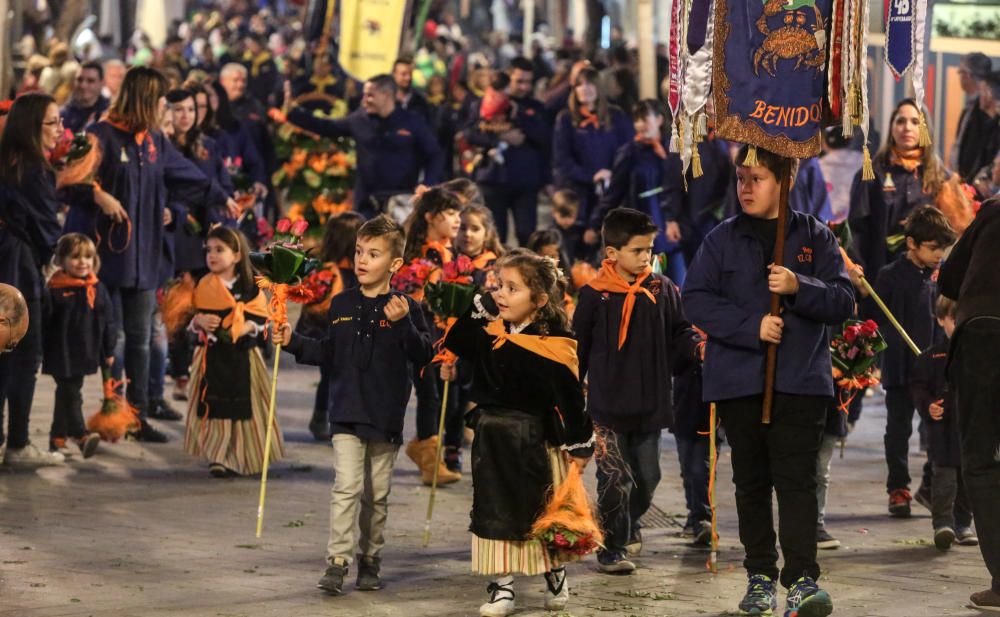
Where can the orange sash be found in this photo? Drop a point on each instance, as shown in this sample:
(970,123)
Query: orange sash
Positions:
(589,119)
(608,279)
(443,250)
(61,280)
(212,295)
(655,144)
(559,349)
(483,260)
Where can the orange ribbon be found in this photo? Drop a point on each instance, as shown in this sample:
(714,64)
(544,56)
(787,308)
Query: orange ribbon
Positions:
(608,279)
(589,119)
(61,280)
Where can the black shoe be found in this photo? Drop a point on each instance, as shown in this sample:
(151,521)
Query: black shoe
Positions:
(453,459)
(149,434)
(824,541)
(333,579)
(218,471)
(320,430)
(368,578)
(161,410)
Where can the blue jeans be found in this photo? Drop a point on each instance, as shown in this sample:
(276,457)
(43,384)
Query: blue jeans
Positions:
(521,201)
(693,457)
(627,475)
(157,358)
(134,310)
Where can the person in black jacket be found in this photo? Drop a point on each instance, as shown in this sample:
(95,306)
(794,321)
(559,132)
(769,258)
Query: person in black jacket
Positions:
(373,337)
(79,337)
(632,336)
(971,277)
(970,139)
(935,402)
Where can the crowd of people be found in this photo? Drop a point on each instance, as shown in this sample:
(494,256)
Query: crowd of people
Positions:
(553,186)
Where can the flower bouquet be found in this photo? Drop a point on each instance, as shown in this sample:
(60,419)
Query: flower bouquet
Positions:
(854,352)
(411,278)
(284,260)
(452,294)
(567,527)
(116,416)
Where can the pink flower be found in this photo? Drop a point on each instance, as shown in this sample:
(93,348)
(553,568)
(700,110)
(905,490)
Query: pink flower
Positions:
(283,226)
(299,227)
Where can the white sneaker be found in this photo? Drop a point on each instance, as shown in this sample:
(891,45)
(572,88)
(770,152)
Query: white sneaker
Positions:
(556,590)
(31,456)
(501,601)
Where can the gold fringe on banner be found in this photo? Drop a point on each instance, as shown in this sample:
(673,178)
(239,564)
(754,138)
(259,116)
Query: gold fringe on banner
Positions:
(867,171)
(696,170)
(925,132)
(674,138)
(751,159)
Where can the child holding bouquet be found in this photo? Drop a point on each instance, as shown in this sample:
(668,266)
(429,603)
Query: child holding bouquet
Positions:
(532,423)
(430,233)
(79,337)
(227,414)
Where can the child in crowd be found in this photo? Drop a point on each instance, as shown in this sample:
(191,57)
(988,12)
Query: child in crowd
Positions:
(430,233)
(691,432)
(565,207)
(532,422)
(227,414)
(649,178)
(466,190)
(909,288)
(632,336)
(372,338)
(728,290)
(79,337)
(950,510)
(496,113)
(337,255)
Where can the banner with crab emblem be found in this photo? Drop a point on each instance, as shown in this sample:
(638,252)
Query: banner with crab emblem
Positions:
(770,73)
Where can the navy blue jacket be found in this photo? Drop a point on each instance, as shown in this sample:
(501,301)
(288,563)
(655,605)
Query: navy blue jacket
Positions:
(369,360)
(929,384)
(809,192)
(77,118)
(637,170)
(77,338)
(910,293)
(629,388)
(238,143)
(726,294)
(578,153)
(392,151)
(144,182)
(525,166)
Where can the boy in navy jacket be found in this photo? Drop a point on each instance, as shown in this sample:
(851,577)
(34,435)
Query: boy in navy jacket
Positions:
(728,290)
(935,401)
(631,333)
(373,338)
(909,288)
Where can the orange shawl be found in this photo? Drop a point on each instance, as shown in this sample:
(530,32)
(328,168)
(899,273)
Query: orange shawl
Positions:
(61,280)
(910,160)
(608,279)
(443,250)
(589,118)
(212,295)
(483,260)
(559,349)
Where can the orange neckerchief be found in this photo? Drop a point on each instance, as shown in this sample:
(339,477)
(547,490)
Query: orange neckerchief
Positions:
(483,260)
(559,349)
(212,295)
(589,119)
(140,136)
(909,161)
(655,144)
(443,250)
(61,280)
(608,279)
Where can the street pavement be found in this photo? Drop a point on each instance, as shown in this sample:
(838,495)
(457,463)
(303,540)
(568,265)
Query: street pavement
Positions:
(143,531)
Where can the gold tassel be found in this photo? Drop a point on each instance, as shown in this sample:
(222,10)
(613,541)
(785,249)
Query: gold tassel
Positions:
(751,159)
(925,132)
(674,139)
(702,126)
(867,171)
(696,170)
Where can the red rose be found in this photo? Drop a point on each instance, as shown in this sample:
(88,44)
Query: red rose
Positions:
(869,328)
(851,333)
(283,226)
(299,227)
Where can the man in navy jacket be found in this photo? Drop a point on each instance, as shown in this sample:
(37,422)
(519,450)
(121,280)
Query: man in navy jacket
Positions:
(394,146)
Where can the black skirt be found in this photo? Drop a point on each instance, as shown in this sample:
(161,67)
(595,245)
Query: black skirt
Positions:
(511,474)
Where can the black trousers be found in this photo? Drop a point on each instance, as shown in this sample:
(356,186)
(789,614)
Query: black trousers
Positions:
(975,374)
(67,417)
(522,202)
(428,400)
(17,380)
(898,428)
(780,456)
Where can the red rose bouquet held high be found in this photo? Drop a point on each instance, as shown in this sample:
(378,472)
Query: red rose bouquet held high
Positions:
(854,352)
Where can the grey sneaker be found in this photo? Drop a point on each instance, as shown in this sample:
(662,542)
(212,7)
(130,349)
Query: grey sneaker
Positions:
(966,537)
(368,578)
(824,541)
(333,579)
(760,598)
(943,538)
(614,563)
(31,456)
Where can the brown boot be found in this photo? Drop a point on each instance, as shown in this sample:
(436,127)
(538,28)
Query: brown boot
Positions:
(417,451)
(422,453)
(988,601)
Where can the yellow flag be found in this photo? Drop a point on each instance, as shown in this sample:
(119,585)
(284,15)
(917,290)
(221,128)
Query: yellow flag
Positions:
(370,33)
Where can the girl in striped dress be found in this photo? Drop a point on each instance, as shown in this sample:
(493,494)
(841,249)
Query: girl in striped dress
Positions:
(227,416)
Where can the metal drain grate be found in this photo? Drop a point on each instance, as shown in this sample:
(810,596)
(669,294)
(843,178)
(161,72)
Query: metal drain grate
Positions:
(655,518)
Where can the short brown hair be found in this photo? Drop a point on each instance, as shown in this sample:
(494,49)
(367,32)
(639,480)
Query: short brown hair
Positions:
(945,307)
(384,226)
(928,224)
(768,160)
(565,203)
(76,244)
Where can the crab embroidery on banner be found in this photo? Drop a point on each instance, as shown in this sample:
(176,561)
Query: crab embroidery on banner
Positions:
(801,37)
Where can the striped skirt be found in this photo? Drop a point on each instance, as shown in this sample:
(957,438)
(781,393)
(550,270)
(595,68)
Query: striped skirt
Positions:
(237,445)
(528,557)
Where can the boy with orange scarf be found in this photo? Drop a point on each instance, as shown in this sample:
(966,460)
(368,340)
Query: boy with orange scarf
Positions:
(632,335)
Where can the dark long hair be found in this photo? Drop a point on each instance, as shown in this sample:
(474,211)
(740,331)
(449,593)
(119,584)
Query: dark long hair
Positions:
(340,237)
(433,201)
(189,142)
(541,276)
(224,117)
(21,141)
(933,173)
(591,76)
(207,125)
(237,242)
